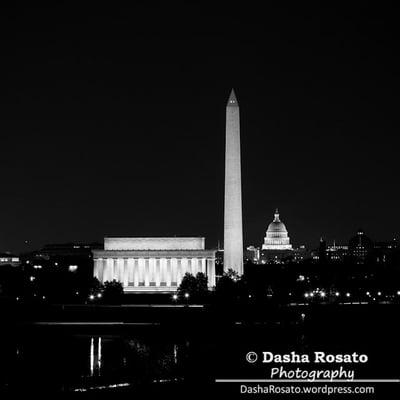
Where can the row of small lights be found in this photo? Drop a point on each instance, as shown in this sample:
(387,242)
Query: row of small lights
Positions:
(34,295)
(175,296)
(337,294)
(44,297)
(92,296)
(71,268)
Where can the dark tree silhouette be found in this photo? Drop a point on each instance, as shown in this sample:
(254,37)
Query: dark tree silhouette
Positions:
(193,286)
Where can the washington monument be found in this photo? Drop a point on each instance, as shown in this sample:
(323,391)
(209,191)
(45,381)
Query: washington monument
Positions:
(233,230)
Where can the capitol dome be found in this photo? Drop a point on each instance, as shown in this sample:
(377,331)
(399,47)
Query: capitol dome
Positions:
(277,237)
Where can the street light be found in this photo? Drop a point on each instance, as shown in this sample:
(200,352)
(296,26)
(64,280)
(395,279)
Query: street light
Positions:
(91,297)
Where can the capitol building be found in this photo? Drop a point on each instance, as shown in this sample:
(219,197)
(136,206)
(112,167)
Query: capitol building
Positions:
(276,244)
(277,237)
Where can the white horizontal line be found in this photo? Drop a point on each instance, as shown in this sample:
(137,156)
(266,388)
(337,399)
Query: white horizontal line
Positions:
(307,381)
(93,323)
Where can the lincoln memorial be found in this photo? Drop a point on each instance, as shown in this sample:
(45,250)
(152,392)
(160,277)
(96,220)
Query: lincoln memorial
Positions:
(153,264)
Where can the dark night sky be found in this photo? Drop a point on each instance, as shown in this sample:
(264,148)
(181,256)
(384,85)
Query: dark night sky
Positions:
(112,121)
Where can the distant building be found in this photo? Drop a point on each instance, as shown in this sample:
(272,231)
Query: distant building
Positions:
(300,254)
(72,256)
(276,247)
(360,247)
(9,259)
(252,254)
(330,253)
(337,253)
(322,256)
(386,252)
(153,264)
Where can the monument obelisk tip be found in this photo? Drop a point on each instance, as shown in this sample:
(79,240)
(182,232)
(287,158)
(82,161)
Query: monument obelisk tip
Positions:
(232,102)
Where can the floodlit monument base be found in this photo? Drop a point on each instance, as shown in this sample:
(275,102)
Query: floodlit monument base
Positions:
(146,265)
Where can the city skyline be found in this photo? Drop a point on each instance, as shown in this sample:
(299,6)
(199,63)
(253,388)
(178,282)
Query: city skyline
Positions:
(110,137)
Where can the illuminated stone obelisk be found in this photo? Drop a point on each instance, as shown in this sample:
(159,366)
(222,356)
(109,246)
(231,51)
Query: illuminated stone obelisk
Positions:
(233,230)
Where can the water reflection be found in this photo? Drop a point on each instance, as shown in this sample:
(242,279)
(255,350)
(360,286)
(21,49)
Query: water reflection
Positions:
(119,359)
(95,356)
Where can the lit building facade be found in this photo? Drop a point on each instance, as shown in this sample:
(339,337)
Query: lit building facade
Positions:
(153,264)
(277,237)
(360,247)
(252,254)
(386,252)
(9,259)
(337,253)
(276,248)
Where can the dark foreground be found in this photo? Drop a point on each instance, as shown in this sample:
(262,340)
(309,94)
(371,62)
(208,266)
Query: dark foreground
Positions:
(182,351)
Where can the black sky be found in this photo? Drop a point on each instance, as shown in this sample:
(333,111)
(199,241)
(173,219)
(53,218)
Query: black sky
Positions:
(112,121)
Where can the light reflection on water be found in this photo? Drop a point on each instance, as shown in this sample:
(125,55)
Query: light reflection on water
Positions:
(95,356)
(133,359)
(78,361)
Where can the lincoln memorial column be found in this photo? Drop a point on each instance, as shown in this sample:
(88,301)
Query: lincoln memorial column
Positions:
(115,269)
(173,269)
(163,270)
(179,271)
(158,272)
(203,266)
(141,269)
(146,272)
(135,271)
(110,270)
(126,272)
(152,269)
(184,266)
(131,277)
(120,270)
(194,266)
(169,275)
